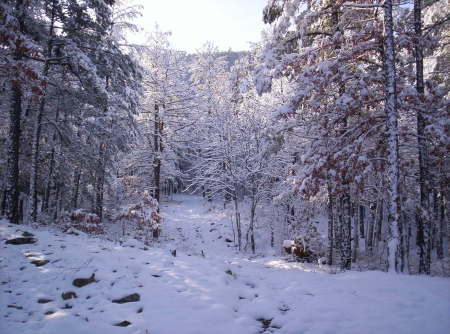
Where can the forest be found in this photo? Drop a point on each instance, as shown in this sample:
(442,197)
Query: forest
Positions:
(323,119)
(330,134)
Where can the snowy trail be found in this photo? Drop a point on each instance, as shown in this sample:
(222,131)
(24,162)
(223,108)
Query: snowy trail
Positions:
(220,292)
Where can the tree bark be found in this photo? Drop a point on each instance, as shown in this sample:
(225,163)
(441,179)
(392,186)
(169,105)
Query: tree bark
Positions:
(157,142)
(99,189)
(14,132)
(422,216)
(76,187)
(238,220)
(330,226)
(252,224)
(12,167)
(392,137)
(32,195)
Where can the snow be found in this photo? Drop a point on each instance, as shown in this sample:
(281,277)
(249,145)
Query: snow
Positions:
(288,243)
(220,292)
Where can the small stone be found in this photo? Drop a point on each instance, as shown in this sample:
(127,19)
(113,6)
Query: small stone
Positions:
(44,300)
(16,307)
(68,295)
(21,241)
(49,312)
(124,323)
(80,282)
(27,234)
(228,240)
(40,263)
(140,310)
(135,297)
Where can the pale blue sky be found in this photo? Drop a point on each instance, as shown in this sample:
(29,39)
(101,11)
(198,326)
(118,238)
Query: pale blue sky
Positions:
(227,23)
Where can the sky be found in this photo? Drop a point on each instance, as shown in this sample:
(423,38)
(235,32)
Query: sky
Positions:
(226,23)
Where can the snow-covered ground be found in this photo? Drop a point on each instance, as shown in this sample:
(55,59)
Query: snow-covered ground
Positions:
(218,291)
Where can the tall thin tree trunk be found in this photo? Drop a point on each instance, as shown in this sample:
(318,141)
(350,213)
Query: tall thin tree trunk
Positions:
(12,166)
(252,224)
(330,225)
(347,232)
(100,182)
(48,186)
(32,195)
(355,224)
(392,136)
(370,231)
(14,132)
(76,187)
(422,216)
(45,200)
(362,229)
(157,150)
(441,230)
(238,220)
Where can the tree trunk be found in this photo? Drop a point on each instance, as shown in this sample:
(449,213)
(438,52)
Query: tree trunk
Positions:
(330,226)
(48,186)
(238,221)
(422,216)
(12,167)
(392,136)
(99,189)
(355,224)
(252,225)
(441,230)
(76,187)
(56,206)
(347,233)
(32,195)
(370,231)
(14,132)
(157,151)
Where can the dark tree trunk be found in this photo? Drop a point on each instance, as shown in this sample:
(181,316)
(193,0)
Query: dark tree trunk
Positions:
(347,233)
(48,186)
(442,229)
(423,227)
(370,231)
(50,181)
(252,225)
(12,167)
(13,143)
(56,205)
(380,221)
(157,143)
(362,214)
(32,196)
(330,226)
(76,187)
(99,191)
(355,219)
(238,220)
